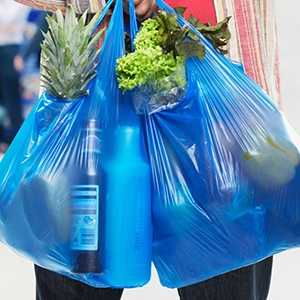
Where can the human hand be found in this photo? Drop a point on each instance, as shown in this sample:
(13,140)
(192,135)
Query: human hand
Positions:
(143,8)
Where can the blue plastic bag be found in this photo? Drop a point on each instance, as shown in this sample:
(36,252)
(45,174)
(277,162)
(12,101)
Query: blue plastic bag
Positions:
(53,210)
(225,170)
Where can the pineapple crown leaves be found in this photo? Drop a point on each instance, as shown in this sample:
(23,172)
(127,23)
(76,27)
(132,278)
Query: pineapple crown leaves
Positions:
(70,54)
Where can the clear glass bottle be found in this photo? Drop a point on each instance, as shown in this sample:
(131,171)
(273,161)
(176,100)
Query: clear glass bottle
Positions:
(86,201)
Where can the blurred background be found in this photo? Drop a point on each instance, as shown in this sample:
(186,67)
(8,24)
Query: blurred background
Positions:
(16,274)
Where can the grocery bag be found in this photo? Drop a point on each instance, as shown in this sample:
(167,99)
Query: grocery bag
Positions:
(225,170)
(63,198)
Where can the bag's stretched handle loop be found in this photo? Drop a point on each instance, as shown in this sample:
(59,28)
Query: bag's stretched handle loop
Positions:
(132,16)
(102,15)
(133,22)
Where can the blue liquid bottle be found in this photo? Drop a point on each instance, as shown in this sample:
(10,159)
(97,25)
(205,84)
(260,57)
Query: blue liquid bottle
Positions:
(85,201)
(127,212)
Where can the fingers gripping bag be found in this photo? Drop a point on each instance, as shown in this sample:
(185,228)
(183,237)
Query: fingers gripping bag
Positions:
(224,159)
(75,182)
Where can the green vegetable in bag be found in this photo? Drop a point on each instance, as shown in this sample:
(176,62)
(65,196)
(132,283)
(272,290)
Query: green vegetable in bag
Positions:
(161,48)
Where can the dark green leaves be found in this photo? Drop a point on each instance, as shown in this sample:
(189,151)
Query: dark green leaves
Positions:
(173,37)
(219,34)
(190,48)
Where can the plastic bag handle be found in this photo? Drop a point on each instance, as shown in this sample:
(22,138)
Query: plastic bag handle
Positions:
(102,15)
(132,22)
(132,16)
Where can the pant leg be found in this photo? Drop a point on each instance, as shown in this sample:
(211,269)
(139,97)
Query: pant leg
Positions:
(11,101)
(10,94)
(53,286)
(248,283)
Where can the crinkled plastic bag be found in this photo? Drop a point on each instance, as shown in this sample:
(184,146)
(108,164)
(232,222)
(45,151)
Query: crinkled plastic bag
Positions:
(225,167)
(157,95)
(225,172)
(38,172)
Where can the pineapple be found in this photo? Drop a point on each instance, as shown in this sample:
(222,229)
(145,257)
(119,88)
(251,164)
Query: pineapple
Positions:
(69,54)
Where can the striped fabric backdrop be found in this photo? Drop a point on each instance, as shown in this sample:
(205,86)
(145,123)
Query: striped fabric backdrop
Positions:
(254,40)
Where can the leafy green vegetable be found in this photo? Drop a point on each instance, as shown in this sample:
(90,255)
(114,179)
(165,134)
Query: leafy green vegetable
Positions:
(161,48)
(172,37)
(149,60)
(219,34)
(135,68)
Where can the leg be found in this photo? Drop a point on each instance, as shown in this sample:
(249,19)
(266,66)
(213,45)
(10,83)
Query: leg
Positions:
(249,283)
(11,100)
(10,95)
(53,286)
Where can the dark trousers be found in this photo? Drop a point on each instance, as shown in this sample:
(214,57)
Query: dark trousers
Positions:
(249,283)
(10,95)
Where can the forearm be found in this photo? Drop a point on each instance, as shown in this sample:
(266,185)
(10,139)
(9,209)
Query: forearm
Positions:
(144,8)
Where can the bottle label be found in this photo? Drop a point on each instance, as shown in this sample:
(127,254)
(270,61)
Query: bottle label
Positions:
(85,217)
